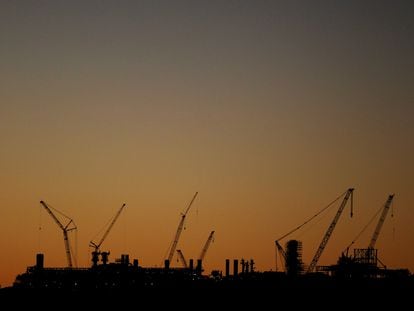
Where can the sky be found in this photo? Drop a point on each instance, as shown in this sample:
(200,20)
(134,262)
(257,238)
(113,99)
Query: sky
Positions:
(269,109)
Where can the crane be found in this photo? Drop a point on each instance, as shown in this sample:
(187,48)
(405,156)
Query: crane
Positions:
(381,221)
(281,252)
(348,194)
(202,254)
(96,246)
(280,249)
(65,229)
(206,245)
(179,229)
(182,258)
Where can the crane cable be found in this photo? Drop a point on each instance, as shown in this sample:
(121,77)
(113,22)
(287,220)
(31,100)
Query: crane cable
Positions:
(307,221)
(366,226)
(59,212)
(363,230)
(72,254)
(105,226)
(314,216)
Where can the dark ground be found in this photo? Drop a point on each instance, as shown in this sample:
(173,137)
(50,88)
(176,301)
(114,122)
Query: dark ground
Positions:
(304,295)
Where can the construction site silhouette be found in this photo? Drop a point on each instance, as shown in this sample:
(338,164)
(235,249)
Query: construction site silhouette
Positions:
(358,277)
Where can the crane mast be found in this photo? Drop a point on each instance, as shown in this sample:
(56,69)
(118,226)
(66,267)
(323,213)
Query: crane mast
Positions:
(97,246)
(281,251)
(179,229)
(182,258)
(206,245)
(381,221)
(65,230)
(349,193)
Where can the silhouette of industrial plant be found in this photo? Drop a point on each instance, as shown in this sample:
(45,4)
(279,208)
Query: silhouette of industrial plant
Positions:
(356,275)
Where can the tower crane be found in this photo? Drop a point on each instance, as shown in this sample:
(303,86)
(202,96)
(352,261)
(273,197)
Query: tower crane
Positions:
(206,246)
(381,221)
(96,246)
(65,229)
(179,229)
(349,193)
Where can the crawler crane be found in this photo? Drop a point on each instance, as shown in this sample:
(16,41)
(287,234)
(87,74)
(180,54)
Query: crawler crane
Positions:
(97,251)
(70,226)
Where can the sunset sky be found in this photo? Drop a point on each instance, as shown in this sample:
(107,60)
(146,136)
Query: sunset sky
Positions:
(269,109)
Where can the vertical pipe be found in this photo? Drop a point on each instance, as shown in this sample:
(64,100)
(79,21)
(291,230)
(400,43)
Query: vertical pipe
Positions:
(199,266)
(39,261)
(235,267)
(227,267)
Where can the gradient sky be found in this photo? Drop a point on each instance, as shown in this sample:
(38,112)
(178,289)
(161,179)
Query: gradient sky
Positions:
(269,109)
